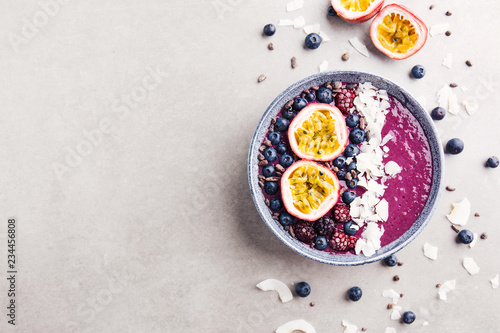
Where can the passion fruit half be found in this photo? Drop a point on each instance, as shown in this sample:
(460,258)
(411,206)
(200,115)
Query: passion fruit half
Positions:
(397,32)
(357,11)
(318,132)
(309,190)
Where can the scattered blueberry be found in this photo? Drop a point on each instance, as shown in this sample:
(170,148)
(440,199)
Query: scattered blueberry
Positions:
(465,236)
(351,150)
(310,97)
(352,184)
(350,228)
(351,166)
(408,317)
(268,171)
(286,160)
(418,71)
(357,135)
(391,260)
(281,148)
(313,41)
(274,137)
(270,154)
(281,124)
(492,162)
(348,197)
(341,174)
(352,120)
(339,162)
(271,187)
(331,11)
(289,113)
(299,103)
(286,218)
(324,95)
(269,30)
(455,146)
(438,113)
(276,204)
(320,243)
(302,289)
(355,294)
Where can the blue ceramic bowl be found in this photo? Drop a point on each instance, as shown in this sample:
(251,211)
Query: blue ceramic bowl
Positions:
(411,104)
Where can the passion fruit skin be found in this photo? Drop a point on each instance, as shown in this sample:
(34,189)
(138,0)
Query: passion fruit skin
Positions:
(419,25)
(357,17)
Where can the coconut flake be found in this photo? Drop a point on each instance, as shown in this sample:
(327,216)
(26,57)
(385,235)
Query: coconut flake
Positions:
(285,23)
(460,212)
(358,46)
(430,251)
(471,106)
(382,209)
(474,240)
(396,314)
(324,37)
(390,293)
(296,325)
(494,282)
(392,168)
(471,266)
(349,328)
(323,66)
(294,5)
(390,330)
(309,29)
(445,288)
(447,60)
(438,29)
(282,289)
(425,323)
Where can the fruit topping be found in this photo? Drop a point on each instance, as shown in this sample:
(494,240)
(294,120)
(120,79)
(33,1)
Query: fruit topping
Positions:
(271,187)
(324,226)
(350,228)
(344,100)
(268,170)
(348,197)
(313,41)
(438,113)
(318,132)
(357,135)
(354,294)
(282,289)
(351,150)
(281,148)
(299,103)
(304,231)
(492,162)
(408,317)
(274,137)
(357,11)
(397,32)
(341,213)
(391,260)
(418,71)
(324,95)
(320,243)
(342,242)
(289,113)
(331,11)
(352,120)
(310,97)
(286,160)
(454,146)
(269,29)
(270,154)
(465,236)
(339,162)
(302,289)
(286,219)
(276,204)
(309,190)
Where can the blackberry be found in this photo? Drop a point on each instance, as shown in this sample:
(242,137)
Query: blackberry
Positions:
(304,231)
(344,100)
(324,226)
(341,213)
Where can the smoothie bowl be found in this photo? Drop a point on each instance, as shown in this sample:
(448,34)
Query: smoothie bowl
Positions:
(345,168)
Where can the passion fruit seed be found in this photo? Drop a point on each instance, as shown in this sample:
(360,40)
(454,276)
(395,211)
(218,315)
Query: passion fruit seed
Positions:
(397,34)
(317,136)
(356,6)
(309,187)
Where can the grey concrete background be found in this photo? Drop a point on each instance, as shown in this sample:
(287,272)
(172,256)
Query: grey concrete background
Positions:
(124,134)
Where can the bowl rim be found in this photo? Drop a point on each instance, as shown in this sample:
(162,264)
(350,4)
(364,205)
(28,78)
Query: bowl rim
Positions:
(437,156)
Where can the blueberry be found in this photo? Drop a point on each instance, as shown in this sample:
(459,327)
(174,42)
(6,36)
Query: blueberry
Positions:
(339,162)
(270,154)
(331,11)
(352,120)
(351,166)
(310,97)
(313,41)
(455,146)
(299,103)
(350,228)
(289,113)
(341,174)
(271,187)
(352,184)
(269,30)
(357,135)
(408,317)
(276,204)
(324,95)
(302,289)
(286,218)
(268,171)
(438,113)
(418,71)
(492,162)
(286,160)
(348,197)
(281,124)
(281,148)
(391,260)
(355,294)
(320,243)
(465,236)
(351,150)
(274,137)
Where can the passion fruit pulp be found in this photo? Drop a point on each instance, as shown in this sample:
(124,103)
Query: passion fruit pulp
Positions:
(309,190)
(357,11)
(397,32)
(318,132)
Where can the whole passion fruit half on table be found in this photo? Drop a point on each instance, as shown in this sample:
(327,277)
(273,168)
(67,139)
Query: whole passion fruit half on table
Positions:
(397,32)
(357,11)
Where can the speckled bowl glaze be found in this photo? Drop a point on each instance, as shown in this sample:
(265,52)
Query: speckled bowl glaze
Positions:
(411,104)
